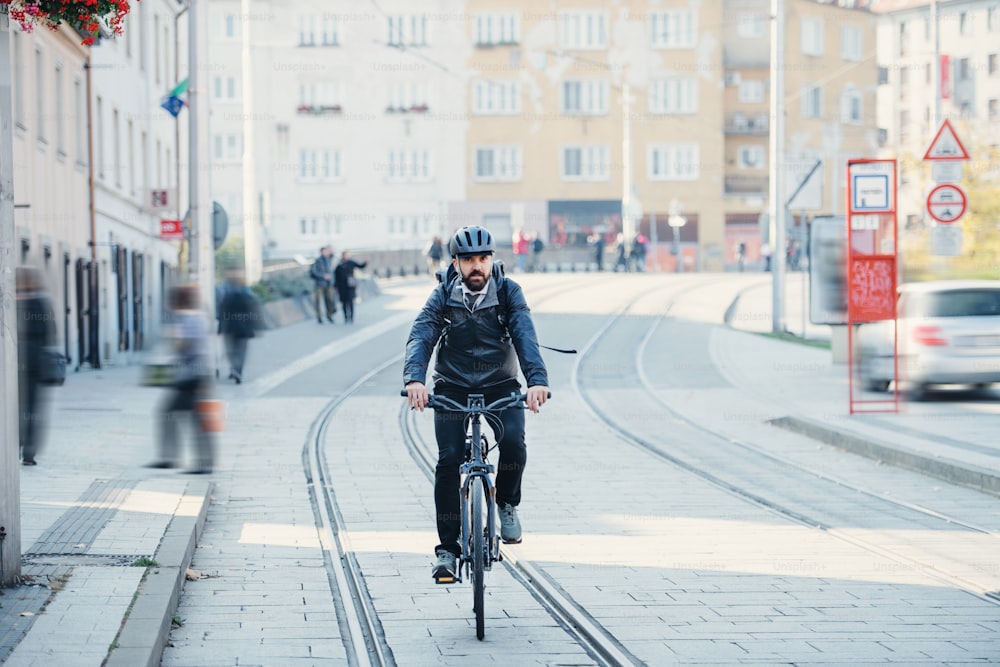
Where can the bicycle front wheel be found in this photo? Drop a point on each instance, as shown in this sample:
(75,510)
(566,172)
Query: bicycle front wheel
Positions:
(479,555)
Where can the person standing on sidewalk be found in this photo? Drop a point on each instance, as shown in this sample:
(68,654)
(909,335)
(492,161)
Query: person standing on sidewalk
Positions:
(321,272)
(435,255)
(35,331)
(486,333)
(239,320)
(193,371)
(347,284)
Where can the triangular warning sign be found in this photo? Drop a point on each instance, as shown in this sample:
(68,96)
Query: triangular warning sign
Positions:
(946,145)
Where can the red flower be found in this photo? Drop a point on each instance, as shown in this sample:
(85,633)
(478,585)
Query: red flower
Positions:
(85,15)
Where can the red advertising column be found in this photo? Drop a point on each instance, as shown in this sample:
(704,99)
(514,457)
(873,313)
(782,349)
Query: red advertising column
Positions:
(871,266)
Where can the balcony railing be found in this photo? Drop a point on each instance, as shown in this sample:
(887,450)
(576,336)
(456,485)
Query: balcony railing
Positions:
(743,124)
(743,184)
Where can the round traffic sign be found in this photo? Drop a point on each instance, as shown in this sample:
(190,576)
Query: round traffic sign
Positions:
(947,203)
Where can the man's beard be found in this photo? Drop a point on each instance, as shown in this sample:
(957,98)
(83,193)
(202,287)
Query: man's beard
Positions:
(476,276)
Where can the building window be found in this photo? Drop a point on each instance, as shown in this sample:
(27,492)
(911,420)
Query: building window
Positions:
(752,92)
(319,96)
(751,157)
(80,116)
(674,95)
(992,111)
(230,29)
(316,165)
(156,46)
(583,30)
(673,162)
(812,36)
(850,43)
(116,147)
(17,90)
(227,147)
(331,30)
(962,71)
(408,166)
(99,136)
(752,25)
(812,101)
(963,23)
(850,106)
(131,159)
(60,115)
(585,163)
(141,40)
(585,97)
(496,97)
(40,109)
(408,30)
(498,163)
(307,31)
(904,37)
(410,96)
(675,29)
(497,28)
(993,18)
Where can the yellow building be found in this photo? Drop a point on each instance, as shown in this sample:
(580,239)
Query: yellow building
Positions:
(548,114)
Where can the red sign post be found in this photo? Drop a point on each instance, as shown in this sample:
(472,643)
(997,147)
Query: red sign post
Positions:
(871,257)
(171,230)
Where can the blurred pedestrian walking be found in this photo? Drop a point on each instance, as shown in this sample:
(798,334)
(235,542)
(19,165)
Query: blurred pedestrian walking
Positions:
(521,246)
(321,272)
(435,255)
(347,284)
(597,240)
(35,331)
(192,381)
(621,254)
(537,246)
(240,319)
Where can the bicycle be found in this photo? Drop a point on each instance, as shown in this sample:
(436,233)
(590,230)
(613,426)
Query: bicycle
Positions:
(480,539)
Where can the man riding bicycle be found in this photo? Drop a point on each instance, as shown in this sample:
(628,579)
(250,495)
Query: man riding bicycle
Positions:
(485,331)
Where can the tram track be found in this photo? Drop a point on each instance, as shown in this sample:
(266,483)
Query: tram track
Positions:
(710,472)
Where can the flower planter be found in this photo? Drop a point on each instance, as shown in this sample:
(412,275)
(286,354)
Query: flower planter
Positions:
(84,16)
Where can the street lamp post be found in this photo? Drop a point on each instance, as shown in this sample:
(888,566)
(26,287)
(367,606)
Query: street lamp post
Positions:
(676,222)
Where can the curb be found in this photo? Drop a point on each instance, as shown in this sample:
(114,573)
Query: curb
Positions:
(954,472)
(145,630)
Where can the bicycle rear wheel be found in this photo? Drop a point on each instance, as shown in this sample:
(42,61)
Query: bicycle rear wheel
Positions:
(479,556)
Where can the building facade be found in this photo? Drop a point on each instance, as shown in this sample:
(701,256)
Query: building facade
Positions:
(914,99)
(355,120)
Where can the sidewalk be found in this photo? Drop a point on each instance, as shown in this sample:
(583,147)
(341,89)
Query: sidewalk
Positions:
(105,539)
(807,393)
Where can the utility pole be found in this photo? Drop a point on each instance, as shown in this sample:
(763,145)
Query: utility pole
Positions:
(202,267)
(252,217)
(10,471)
(776,206)
(628,207)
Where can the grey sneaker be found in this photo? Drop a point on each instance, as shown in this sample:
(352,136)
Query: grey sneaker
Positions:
(445,567)
(510,526)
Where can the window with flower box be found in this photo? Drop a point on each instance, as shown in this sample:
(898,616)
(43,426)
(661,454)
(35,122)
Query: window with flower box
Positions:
(319,97)
(673,162)
(673,95)
(583,30)
(408,30)
(673,29)
(407,97)
(498,163)
(408,166)
(585,163)
(495,96)
(497,28)
(585,97)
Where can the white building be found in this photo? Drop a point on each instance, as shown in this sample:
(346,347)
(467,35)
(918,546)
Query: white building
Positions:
(50,171)
(356,115)
(137,148)
(969,50)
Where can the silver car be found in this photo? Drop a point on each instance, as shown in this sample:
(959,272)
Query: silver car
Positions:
(949,333)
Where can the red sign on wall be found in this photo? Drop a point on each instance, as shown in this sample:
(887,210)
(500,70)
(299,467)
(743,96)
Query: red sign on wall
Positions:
(172,230)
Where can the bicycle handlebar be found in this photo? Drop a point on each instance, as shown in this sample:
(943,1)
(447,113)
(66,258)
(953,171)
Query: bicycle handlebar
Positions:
(439,402)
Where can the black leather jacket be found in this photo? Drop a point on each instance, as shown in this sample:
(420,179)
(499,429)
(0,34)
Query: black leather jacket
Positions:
(479,349)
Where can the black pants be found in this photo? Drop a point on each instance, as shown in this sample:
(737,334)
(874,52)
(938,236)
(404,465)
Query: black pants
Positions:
(29,415)
(449,428)
(179,406)
(236,351)
(347,302)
